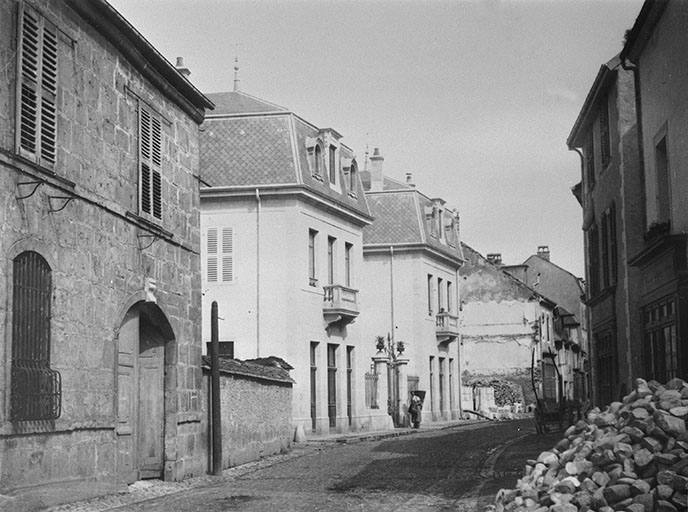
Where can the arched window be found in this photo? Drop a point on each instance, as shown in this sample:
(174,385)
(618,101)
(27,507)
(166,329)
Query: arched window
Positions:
(353,176)
(318,164)
(35,388)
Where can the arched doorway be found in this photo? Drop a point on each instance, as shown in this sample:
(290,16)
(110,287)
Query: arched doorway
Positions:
(144,336)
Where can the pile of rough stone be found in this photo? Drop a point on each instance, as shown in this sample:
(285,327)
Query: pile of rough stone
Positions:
(633,457)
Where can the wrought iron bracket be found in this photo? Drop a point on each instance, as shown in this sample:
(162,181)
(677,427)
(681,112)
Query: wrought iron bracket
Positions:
(35,184)
(66,200)
(154,238)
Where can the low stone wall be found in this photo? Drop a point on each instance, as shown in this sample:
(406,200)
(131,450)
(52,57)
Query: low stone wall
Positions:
(256,411)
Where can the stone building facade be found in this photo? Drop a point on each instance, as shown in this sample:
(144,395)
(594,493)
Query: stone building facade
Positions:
(412,258)
(507,330)
(605,135)
(652,54)
(282,212)
(100,366)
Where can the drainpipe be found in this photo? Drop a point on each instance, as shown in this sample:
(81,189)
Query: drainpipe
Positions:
(459,341)
(258,205)
(391,288)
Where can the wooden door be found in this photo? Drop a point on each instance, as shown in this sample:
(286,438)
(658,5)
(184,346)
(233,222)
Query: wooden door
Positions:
(151,404)
(127,393)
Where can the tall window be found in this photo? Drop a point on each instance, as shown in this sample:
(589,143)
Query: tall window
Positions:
(349,382)
(429,294)
(609,249)
(150,161)
(594,260)
(333,164)
(452,404)
(348,249)
(314,383)
(660,341)
(220,255)
(37,88)
(432,382)
(663,181)
(35,387)
(332,384)
(353,177)
(450,297)
(441,382)
(440,300)
(330,259)
(318,160)
(606,366)
(589,155)
(605,143)
(312,279)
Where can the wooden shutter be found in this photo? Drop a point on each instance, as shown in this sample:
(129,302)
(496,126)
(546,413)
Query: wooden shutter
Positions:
(150,156)
(212,266)
(37,88)
(227,255)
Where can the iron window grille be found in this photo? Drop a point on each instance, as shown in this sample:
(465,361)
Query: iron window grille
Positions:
(36,389)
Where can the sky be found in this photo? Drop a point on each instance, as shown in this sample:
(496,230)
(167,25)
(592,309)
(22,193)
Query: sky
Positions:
(475,98)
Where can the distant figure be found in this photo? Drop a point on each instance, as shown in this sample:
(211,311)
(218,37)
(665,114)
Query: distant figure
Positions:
(414,410)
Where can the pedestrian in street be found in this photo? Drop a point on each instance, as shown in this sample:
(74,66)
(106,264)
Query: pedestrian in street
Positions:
(415,409)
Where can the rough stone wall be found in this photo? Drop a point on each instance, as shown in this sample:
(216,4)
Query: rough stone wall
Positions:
(256,417)
(99,262)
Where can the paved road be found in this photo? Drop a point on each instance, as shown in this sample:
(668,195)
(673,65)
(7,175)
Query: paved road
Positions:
(458,469)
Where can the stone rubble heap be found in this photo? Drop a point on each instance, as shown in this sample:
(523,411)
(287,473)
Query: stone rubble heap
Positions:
(632,456)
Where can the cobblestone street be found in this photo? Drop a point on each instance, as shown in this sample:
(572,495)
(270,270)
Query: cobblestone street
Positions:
(458,469)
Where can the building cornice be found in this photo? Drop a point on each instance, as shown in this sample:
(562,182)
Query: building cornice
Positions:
(292,190)
(415,247)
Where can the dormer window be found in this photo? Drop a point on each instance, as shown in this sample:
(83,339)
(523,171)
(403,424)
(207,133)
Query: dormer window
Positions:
(314,147)
(353,177)
(318,160)
(333,165)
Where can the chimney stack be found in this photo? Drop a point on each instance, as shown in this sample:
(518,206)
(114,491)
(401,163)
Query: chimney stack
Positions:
(543,252)
(409,180)
(495,258)
(185,72)
(376,171)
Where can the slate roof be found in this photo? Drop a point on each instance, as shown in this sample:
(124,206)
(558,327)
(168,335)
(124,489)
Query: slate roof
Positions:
(252,369)
(248,142)
(401,217)
(241,103)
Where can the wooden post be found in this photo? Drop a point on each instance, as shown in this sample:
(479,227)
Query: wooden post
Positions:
(215,391)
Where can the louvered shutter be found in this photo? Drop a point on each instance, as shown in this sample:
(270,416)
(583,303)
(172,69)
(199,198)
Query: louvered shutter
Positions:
(227,255)
(37,88)
(150,155)
(212,256)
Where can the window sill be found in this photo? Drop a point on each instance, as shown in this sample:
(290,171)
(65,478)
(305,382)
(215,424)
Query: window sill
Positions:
(149,225)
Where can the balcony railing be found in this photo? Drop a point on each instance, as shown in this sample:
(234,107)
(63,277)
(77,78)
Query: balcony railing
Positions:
(340,304)
(446,327)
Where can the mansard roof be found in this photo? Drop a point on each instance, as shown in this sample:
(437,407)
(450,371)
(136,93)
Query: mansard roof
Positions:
(406,218)
(248,142)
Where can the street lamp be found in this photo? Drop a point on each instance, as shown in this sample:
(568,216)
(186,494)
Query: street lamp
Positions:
(389,347)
